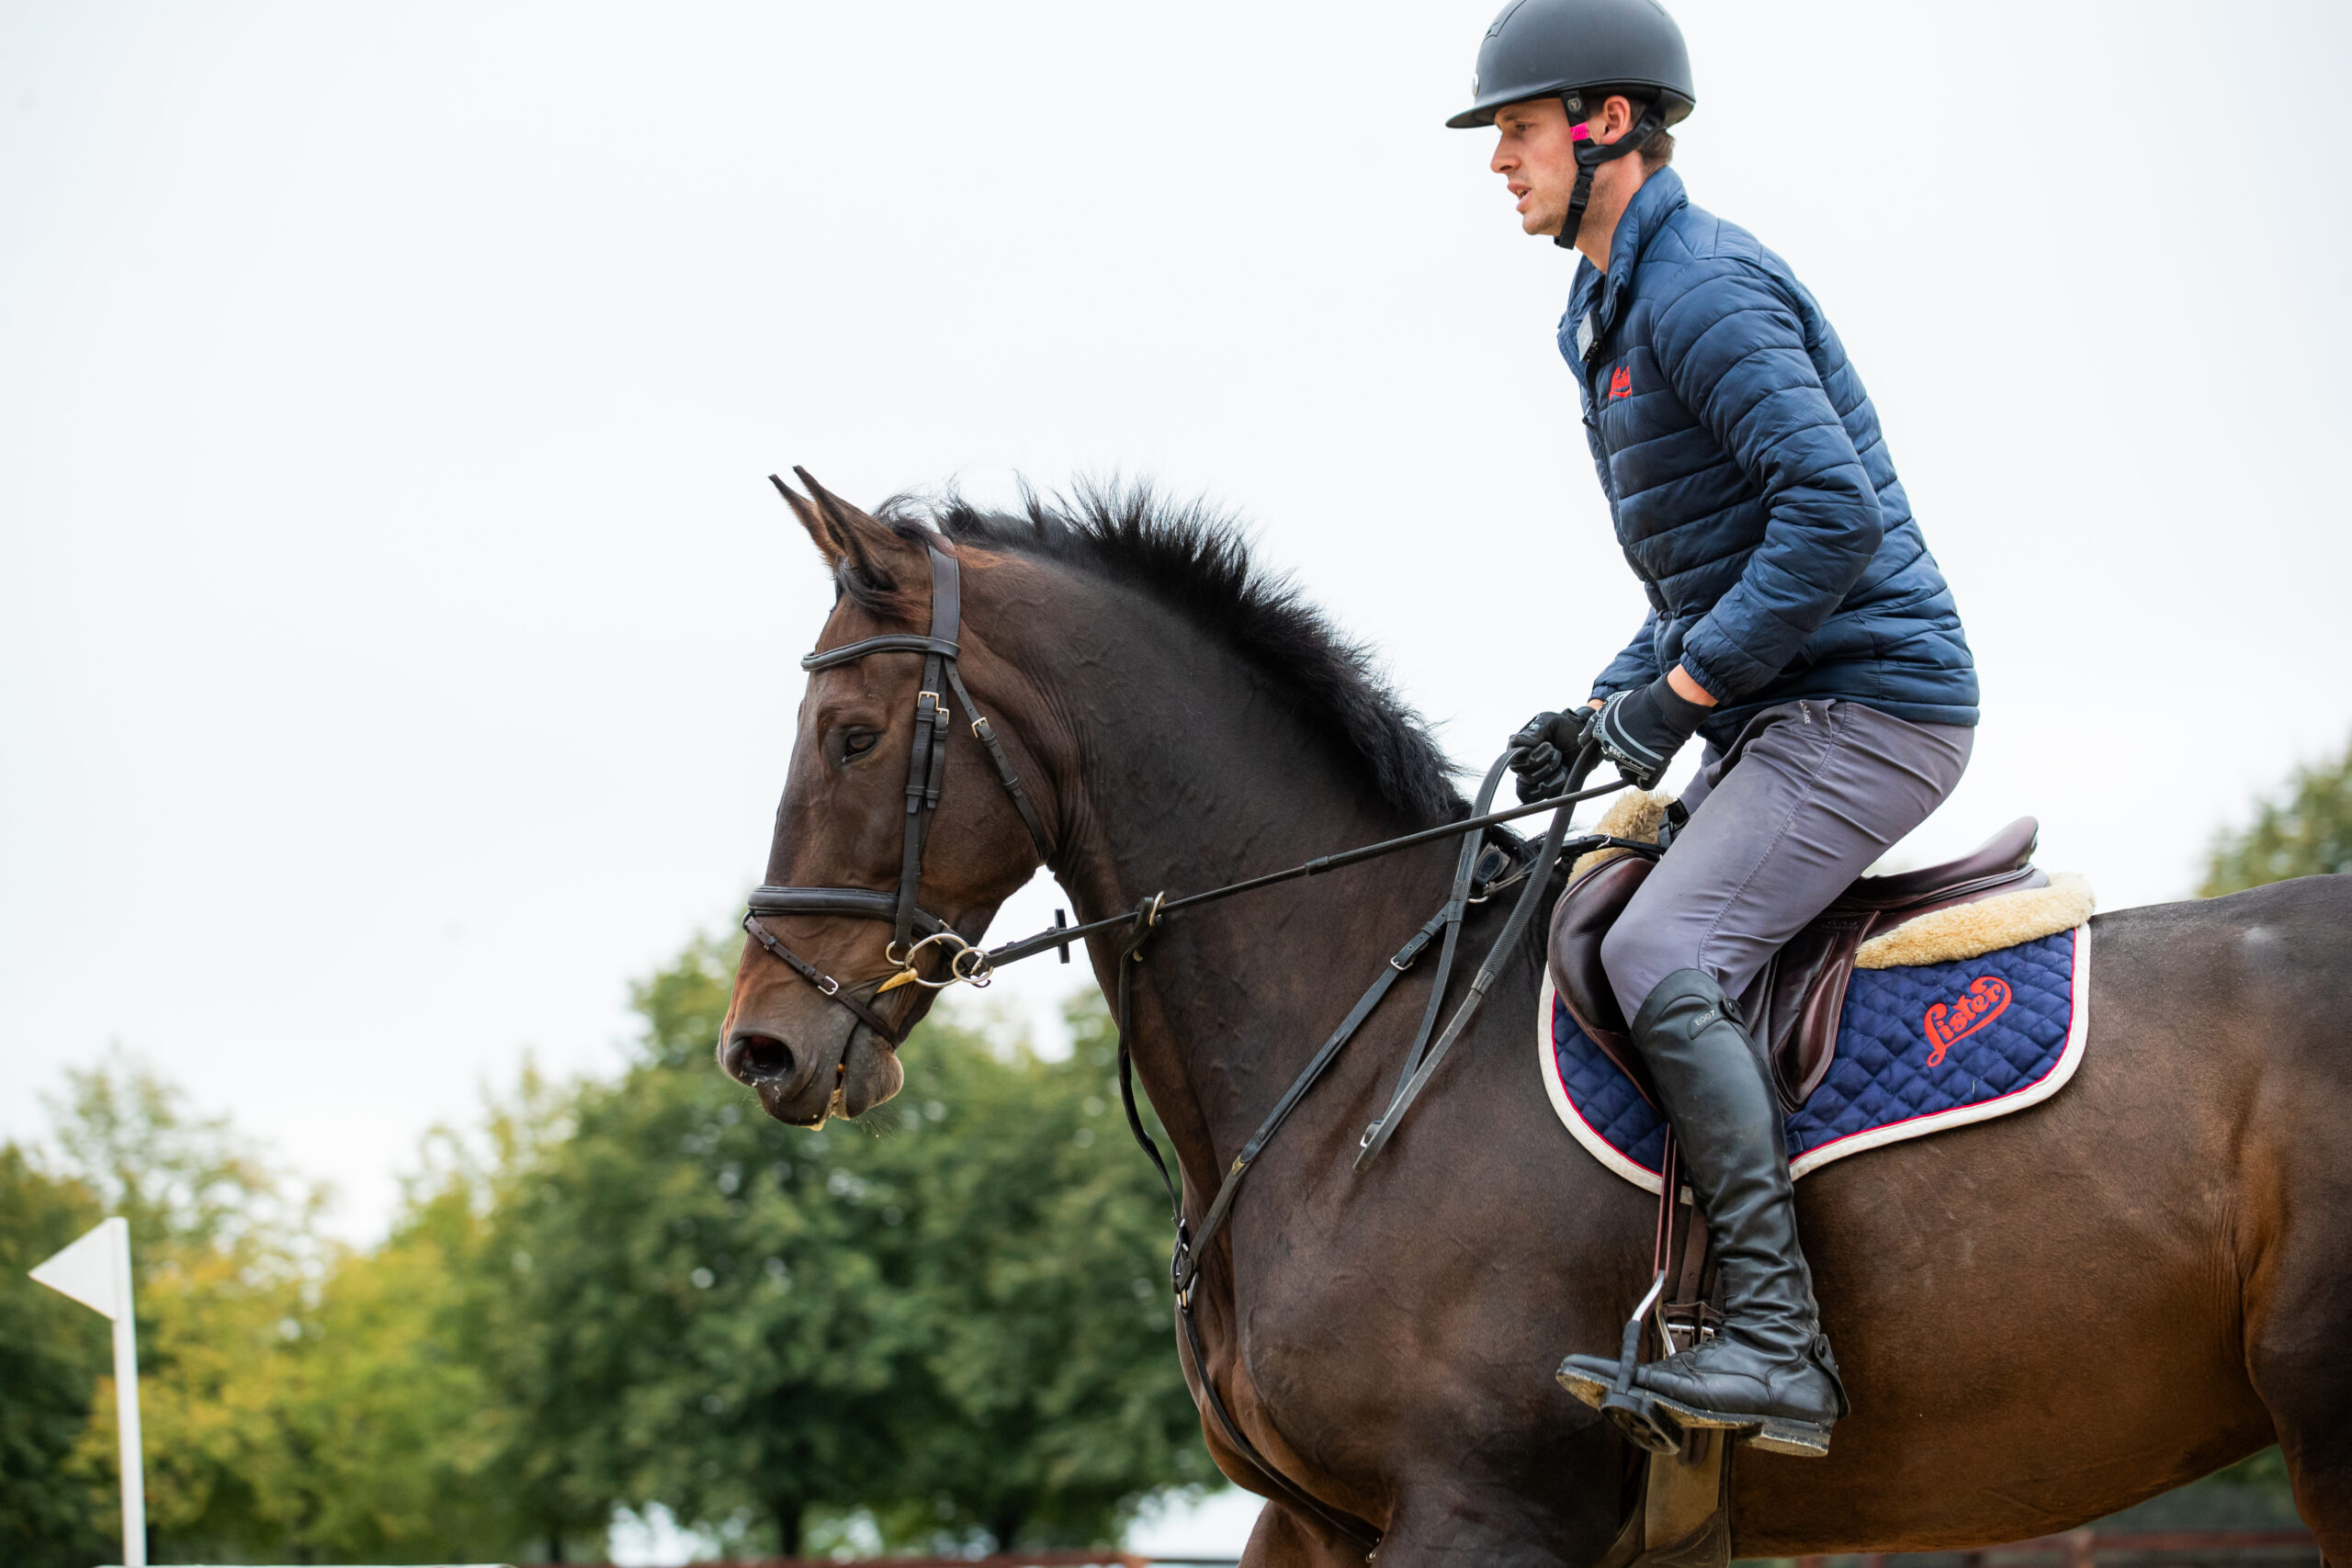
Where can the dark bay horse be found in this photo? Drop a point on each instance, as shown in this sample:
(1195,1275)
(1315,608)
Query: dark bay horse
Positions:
(2042,1319)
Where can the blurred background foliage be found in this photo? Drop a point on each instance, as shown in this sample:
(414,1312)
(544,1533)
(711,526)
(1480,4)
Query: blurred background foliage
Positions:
(2304,830)
(944,1329)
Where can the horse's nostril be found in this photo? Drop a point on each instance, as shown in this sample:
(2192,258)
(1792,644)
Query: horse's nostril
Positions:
(758,1058)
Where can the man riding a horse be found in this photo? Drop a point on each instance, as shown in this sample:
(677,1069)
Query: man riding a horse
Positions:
(1797,626)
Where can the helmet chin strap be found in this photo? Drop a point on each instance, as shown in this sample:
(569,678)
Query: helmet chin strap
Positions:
(1591,154)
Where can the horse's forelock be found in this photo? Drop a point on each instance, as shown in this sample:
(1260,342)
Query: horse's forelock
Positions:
(879,591)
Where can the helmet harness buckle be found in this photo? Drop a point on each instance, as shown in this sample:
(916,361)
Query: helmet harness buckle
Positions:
(1591,154)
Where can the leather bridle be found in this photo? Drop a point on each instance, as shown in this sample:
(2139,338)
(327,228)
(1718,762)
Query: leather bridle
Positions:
(926,774)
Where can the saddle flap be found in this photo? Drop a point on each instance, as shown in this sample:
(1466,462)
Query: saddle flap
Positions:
(1803,993)
(1588,908)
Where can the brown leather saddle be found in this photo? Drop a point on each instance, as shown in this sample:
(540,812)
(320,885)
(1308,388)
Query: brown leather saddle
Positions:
(1803,990)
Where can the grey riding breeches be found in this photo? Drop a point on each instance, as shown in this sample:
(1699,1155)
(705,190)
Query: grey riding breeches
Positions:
(1808,795)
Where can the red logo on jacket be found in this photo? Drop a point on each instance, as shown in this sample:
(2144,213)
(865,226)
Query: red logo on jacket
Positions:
(1620,383)
(1949,1023)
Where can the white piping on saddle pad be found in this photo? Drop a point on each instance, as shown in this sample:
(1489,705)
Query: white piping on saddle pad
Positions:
(1573,1119)
(2049,1083)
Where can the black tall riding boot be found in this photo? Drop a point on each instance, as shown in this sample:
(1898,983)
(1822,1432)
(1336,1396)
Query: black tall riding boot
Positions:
(1767,1376)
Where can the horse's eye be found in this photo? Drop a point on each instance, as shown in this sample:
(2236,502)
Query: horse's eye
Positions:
(858,742)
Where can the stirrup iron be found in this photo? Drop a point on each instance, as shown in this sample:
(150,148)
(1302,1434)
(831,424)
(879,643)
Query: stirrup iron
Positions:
(1628,1407)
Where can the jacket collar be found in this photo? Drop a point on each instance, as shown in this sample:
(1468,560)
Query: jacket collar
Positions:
(1661,197)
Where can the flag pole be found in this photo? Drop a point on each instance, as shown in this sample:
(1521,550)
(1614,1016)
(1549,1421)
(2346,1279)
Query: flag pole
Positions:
(95,1272)
(126,1405)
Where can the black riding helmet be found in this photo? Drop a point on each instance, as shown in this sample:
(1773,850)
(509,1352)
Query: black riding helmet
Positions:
(1572,49)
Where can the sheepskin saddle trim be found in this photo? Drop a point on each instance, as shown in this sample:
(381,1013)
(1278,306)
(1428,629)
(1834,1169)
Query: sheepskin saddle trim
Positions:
(1971,930)
(1940,936)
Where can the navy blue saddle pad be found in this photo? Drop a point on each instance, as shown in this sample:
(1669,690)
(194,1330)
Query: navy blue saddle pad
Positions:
(1919,1050)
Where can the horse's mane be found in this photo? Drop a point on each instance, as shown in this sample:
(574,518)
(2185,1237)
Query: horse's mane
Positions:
(1195,560)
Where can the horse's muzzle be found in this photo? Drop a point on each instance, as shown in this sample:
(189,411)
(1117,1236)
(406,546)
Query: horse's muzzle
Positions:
(802,1084)
(757,1059)
(790,1085)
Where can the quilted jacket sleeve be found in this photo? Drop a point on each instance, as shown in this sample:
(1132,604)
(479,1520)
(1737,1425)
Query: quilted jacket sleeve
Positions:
(1734,350)
(1637,666)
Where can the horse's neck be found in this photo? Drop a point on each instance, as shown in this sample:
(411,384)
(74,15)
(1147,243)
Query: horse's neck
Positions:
(1196,775)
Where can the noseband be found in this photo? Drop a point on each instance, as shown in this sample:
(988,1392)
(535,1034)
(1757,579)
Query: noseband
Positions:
(926,772)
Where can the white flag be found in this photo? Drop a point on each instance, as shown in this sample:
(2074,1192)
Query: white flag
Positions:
(90,1270)
(95,1272)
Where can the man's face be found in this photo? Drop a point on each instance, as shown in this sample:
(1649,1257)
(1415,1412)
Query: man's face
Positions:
(1535,152)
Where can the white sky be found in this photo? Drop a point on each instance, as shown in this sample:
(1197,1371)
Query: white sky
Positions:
(396,629)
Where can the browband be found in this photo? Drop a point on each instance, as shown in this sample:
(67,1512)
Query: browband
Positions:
(890,642)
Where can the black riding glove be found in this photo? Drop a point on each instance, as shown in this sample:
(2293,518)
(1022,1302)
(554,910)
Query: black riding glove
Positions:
(1548,746)
(1642,729)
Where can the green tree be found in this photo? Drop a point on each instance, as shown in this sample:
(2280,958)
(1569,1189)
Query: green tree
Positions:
(696,1306)
(181,1179)
(950,1319)
(53,1510)
(380,1413)
(222,1252)
(1041,1239)
(300,1401)
(2304,830)
(945,1315)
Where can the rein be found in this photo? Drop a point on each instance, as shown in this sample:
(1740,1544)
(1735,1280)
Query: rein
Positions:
(1481,870)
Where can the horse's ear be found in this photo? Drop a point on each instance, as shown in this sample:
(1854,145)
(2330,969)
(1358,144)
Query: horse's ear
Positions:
(820,531)
(866,545)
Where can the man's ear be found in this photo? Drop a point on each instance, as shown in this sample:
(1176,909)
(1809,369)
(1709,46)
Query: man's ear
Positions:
(849,539)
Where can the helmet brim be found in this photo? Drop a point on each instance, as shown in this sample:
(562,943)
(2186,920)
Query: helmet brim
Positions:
(1483,112)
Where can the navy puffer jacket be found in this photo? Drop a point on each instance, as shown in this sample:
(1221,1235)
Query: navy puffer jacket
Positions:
(1752,491)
